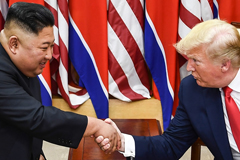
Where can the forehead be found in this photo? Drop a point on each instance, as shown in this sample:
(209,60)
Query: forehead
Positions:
(47,33)
(45,36)
(197,53)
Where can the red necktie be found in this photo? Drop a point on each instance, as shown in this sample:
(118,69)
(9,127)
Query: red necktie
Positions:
(233,115)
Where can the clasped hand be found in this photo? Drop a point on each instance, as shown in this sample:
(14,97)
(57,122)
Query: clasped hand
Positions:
(105,144)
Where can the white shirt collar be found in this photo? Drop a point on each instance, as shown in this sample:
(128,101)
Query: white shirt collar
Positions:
(235,84)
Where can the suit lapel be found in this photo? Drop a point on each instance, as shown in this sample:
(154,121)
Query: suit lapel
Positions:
(216,120)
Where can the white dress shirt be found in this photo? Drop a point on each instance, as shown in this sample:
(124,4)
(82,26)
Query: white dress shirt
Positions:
(235,94)
(235,86)
(129,146)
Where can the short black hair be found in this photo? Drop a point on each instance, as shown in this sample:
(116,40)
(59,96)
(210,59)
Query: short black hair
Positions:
(31,17)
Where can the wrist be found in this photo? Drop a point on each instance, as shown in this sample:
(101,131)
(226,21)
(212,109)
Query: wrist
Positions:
(93,126)
(122,148)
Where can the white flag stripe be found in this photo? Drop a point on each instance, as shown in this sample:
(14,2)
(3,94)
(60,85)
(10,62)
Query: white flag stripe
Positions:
(64,76)
(73,89)
(116,46)
(142,3)
(130,21)
(52,3)
(193,6)
(207,12)
(122,55)
(114,90)
(4,8)
(183,29)
(126,63)
(55,30)
(63,28)
(76,100)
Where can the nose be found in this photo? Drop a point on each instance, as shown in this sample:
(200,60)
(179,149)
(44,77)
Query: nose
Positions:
(190,65)
(49,53)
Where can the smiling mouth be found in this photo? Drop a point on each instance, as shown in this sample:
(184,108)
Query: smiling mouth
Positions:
(43,64)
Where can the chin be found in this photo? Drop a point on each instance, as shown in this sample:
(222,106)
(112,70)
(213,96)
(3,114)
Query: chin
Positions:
(36,74)
(39,72)
(200,83)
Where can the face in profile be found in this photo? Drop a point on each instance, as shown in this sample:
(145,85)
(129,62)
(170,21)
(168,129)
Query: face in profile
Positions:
(206,73)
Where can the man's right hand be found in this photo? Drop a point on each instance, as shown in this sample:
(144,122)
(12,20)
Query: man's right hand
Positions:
(103,143)
(97,127)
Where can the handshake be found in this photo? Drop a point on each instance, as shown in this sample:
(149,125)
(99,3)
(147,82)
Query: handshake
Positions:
(107,135)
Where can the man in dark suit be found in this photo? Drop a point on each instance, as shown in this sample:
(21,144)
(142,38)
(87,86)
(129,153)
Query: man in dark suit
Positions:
(213,51)
(26,44)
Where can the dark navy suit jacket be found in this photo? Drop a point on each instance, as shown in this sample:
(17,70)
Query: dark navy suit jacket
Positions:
(25,122)
(199,114)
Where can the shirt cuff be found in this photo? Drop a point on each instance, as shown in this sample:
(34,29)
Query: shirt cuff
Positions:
(129,146)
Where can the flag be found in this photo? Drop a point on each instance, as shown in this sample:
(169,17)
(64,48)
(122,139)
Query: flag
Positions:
(45,85)
(59,65)
(128,74)
(160,35)
(229,10)
(3,12)
(88,50)
(61,70)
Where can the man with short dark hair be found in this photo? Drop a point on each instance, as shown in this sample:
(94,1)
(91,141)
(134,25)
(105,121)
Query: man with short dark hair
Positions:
(26,44)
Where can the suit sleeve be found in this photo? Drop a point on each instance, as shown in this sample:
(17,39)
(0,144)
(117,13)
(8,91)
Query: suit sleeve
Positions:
(178,137)
(20,109)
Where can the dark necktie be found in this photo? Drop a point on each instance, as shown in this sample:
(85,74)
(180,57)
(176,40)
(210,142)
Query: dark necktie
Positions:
(233,115)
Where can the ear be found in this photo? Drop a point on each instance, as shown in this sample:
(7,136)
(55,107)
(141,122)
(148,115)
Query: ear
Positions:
(13,44)
(226,64)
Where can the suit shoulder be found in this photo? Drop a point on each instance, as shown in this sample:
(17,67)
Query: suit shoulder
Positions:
(189,80)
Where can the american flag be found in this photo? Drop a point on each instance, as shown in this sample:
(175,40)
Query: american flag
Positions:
(128,74)
(60,64)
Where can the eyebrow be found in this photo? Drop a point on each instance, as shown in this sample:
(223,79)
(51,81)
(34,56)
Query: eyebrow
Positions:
(49,42)
(190,56)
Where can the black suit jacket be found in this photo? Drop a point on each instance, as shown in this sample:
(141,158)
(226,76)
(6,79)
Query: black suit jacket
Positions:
(25,122)
(199,114)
